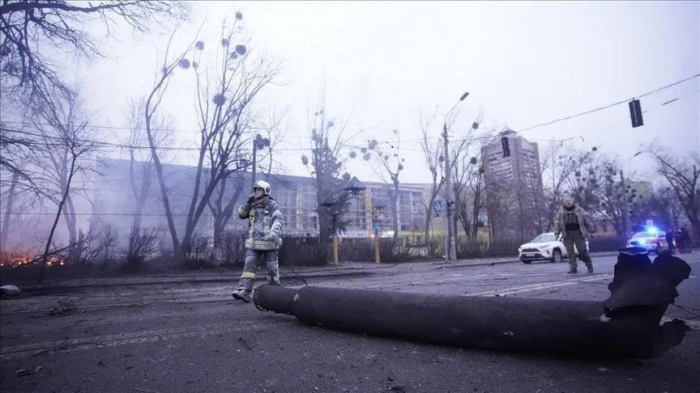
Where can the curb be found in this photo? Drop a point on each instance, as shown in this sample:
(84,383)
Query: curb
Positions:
(289,274)
(497,262)
(233,279)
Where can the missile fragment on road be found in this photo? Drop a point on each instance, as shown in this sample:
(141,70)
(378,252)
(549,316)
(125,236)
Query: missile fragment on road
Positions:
(625,325)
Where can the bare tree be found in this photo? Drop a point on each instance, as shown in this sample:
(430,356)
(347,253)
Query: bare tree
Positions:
(141,169)
(559,164)
(223,100)
(31,29)
(4,231)
(61,124)
(325,166)
(67,141)
(21,183)
(665,207)
(14,146)
(464,170)
(141,160)
(500,207)
(683,175)
(387,164)
(223,205)
(469,196)
(434,159)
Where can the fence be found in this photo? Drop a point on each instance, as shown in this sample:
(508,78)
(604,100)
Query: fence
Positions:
(295,251)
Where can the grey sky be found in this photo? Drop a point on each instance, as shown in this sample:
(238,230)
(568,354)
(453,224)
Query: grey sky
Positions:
(523,63)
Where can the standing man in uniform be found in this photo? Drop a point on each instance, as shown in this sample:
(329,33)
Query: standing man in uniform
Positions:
(574,224)
(264,229)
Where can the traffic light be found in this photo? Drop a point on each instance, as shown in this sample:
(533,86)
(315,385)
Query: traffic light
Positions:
(506,147)
(636,113)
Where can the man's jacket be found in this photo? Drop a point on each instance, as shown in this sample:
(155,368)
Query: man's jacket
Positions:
(264,224)
(585,223)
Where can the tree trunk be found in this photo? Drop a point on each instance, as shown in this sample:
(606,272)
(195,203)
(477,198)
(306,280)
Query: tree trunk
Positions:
(55,221)
(231,206)
(71,224)
(476,209)
(142,196)
(161,181)
(428,218)
(192,224)
(395,212)
(8,211)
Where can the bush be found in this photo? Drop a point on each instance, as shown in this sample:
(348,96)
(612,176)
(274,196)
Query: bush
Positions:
(232,249)
(142,245)
(473,248)
(602,244)
(303,251)
(197,248)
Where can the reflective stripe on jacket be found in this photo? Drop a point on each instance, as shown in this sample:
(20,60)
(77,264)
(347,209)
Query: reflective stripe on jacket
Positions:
(261,222)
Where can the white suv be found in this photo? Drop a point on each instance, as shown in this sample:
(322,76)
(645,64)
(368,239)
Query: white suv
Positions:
(543,247)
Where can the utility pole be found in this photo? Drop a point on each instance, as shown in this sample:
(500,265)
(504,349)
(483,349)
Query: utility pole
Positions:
(258,143)
(450,247)
(625,208)
(255,156)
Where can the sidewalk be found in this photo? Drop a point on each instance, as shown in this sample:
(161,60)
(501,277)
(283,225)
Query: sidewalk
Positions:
(344,269)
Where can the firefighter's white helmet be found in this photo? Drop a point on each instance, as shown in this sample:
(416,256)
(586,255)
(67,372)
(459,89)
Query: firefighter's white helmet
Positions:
(263,185)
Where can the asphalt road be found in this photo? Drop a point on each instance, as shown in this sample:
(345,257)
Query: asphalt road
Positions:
(190,336)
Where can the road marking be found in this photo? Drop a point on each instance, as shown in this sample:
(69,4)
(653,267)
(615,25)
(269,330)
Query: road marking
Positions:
(113,340)
(541,286)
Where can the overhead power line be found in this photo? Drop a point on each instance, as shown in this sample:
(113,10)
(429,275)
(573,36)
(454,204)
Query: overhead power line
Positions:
(610,105)
(413,140)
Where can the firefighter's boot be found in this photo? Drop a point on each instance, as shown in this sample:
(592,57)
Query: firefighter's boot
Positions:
(241,294)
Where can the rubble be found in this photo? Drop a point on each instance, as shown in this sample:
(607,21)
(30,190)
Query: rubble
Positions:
(10,291)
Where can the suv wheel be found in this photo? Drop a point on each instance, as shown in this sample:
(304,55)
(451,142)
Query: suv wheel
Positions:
(556,256)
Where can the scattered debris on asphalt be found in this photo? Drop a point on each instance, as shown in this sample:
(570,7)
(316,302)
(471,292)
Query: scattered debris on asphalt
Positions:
(10,291)
(63,308)
(27,372)
(245,343)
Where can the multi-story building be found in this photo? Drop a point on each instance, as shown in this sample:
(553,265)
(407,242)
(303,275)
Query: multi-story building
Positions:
(114,207)
(521,166)
(513,179)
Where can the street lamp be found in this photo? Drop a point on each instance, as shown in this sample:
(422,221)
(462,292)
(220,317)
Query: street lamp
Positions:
(450,246)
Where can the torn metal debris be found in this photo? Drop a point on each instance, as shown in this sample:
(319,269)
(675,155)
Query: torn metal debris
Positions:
(627,324)
(10,291)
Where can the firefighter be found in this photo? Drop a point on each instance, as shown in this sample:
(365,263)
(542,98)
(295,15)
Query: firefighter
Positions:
(264,228)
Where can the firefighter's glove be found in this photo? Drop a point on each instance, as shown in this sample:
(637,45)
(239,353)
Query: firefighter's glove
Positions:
(271,237)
